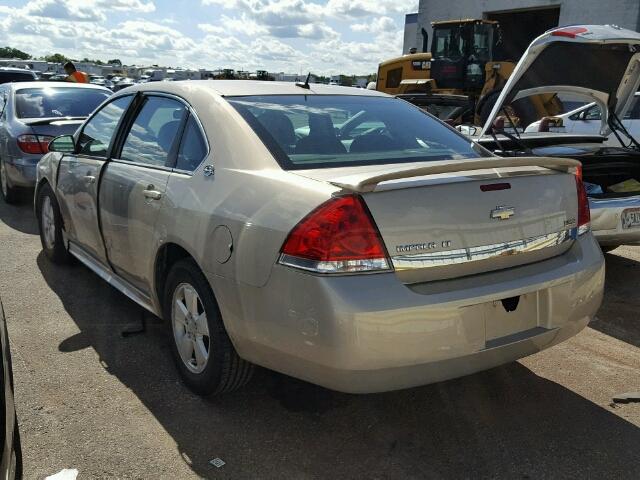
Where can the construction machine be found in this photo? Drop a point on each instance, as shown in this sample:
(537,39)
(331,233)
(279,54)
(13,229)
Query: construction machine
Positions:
(466,58)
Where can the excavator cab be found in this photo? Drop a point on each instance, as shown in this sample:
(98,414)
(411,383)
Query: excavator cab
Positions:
(460,50)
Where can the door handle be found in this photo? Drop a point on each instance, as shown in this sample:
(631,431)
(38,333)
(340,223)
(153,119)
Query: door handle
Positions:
(151,193)
(90,179)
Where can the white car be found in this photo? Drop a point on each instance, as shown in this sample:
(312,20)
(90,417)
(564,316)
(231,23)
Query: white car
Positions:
(588,119)
(555,63)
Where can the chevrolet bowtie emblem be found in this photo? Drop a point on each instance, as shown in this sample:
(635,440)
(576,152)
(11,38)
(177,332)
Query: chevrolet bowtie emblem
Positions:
(503,213)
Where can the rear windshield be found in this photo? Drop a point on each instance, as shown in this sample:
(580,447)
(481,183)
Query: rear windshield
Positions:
(6,77)
(325,131)
(58,102)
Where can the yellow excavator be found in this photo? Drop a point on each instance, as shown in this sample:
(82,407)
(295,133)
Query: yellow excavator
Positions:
(466,58)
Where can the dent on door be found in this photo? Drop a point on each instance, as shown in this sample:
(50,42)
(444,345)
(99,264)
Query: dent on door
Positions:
(130,198)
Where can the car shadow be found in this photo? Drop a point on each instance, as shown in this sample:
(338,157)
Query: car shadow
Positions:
(506,422)
(618,316)
(20,216)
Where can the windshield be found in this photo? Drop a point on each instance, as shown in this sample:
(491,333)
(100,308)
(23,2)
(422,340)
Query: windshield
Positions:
(482,42)
(324,131)
(448,42)
(58,102)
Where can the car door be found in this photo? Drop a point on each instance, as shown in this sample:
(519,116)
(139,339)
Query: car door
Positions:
(79,174)
(134,183)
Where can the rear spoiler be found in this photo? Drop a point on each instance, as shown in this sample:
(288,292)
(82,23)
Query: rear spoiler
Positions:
(450,166)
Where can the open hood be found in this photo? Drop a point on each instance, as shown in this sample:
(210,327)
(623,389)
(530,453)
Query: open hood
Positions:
(601,62)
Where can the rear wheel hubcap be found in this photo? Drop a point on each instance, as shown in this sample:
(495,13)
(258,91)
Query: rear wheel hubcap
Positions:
(3,179)
(190,328)
(48,223)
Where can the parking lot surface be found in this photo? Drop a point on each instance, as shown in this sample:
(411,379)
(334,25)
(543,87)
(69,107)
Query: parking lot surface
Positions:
(113,407)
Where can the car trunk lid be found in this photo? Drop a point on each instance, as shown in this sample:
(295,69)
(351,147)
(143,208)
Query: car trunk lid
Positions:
(556,62)
(451,219)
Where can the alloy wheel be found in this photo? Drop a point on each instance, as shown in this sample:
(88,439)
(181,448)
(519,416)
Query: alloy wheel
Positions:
(3,180)
(48,223)
(190,328)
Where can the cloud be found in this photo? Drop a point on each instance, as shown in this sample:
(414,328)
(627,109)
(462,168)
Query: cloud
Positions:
(380,25)
(276,35)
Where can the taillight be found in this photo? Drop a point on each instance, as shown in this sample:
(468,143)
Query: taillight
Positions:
(584,214)
(337,237)
(34,144)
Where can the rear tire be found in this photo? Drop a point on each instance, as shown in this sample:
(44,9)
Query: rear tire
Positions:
(9,194)
(50,226)
(204,355)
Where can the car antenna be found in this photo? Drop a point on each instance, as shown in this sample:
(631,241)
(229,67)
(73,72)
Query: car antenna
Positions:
(304,85)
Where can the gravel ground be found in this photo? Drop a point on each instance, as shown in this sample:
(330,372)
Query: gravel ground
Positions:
(112,407)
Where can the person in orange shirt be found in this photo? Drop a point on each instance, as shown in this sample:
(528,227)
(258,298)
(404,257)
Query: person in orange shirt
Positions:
(75,76)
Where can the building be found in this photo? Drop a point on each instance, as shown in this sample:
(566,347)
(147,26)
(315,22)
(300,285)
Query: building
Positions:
(410,33)
(35,65)
(521,20)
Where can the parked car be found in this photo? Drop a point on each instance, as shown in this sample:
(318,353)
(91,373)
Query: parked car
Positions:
(611,174)
(123,83)
(380,260)
(11,457)
(588,119)
(8,74)
(31,115)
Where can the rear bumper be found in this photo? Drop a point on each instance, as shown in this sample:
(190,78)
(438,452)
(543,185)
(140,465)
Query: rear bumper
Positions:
(371,333)
(606,222)
(22,172)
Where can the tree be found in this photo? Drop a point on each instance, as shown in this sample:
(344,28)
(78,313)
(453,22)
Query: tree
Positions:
(8,52)
(115,61)
(56,58)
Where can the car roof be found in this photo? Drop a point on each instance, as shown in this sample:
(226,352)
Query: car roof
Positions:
(16,70)
(252,87)
(22,85)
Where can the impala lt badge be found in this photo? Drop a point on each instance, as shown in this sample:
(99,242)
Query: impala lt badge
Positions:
(503,213)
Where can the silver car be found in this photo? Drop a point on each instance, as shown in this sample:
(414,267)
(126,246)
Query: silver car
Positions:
(389,253)
(31,115)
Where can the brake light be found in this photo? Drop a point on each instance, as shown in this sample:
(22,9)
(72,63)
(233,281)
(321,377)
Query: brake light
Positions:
(34,144)
(569,32)
(584,214)
(337,237)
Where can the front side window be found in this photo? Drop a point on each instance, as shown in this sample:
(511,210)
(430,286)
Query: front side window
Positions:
(51,102)
(324,131)
(154,132)
(98,132)
(193,147)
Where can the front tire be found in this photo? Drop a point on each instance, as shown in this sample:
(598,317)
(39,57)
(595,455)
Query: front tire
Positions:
(204,355)
(50,226)
(9,193)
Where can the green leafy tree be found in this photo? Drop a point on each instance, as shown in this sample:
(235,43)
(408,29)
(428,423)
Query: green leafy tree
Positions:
(115,61)
(8,52)
(56,58)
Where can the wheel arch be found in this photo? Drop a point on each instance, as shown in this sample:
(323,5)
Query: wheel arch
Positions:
(167,255)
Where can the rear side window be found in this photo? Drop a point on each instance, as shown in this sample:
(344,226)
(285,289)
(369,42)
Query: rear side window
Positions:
(97,132)
(154,132)
(193,147)
(324,131)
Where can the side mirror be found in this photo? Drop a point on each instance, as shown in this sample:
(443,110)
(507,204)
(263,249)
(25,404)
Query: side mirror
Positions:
(469,130)
(63,144)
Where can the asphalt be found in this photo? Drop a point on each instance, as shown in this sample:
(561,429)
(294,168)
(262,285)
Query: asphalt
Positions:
(113,407)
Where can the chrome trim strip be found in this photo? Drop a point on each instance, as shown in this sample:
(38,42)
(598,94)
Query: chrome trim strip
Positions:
(483,252)
(116,282)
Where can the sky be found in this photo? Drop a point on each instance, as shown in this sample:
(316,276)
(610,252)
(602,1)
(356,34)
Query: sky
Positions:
(293,36)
